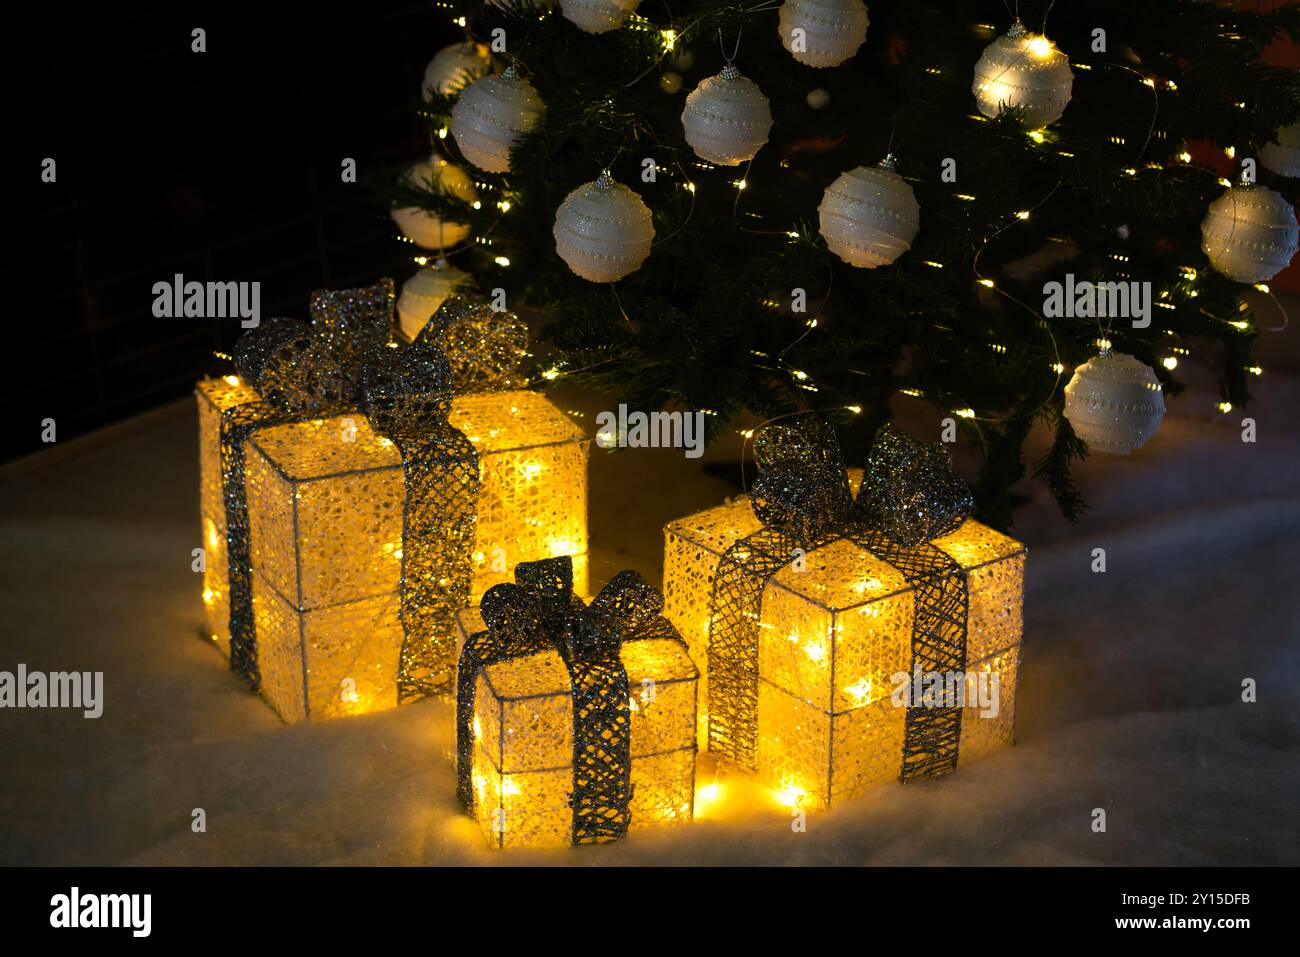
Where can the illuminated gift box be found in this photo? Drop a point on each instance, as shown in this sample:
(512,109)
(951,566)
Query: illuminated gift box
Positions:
(327,514)
(522,772)
(831,639)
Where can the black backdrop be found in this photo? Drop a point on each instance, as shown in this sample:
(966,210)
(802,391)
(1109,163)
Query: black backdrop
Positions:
(222,166)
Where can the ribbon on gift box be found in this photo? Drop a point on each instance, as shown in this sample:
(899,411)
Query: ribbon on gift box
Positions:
(909,496)
(347,359)
(540,612)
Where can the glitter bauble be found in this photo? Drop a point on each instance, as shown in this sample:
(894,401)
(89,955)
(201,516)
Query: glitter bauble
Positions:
(603,231)
(1114,403)
(424,292)
(1024,70)
(822,33)
(869,216)
(597,16)
(427,230)
(1250,233)
(727,118)
(455,66)
(492,116)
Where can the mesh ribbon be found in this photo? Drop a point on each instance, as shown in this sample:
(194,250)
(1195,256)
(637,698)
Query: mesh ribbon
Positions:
(347,359)
(909,496)
(540,612)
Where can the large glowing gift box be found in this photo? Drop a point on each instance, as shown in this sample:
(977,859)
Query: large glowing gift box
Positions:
(325,504)
(833,633)
(524,774)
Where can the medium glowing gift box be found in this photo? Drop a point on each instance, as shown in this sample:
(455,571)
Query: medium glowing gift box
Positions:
(574,723)
(366,526)
(818,602)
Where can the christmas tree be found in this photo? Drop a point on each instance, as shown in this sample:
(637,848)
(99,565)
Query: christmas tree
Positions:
(750,300)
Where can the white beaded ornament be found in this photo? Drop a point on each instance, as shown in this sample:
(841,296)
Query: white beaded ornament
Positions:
(1021,69)
(727,118)
(603,230)
(1250,233)
(424,292)
(822,33)
(597,16)
(1282,156)
(492,115)
(424,228)
(455,66)
(869,216)
(1114,403)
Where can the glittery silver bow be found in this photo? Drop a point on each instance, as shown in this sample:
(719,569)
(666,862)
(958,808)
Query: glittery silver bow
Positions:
(909,496)
(346,359)
(540,612)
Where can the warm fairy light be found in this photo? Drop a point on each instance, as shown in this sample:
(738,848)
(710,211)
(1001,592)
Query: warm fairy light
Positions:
(1230,152)
(213,540)
(209,596)
(1170,362)
(478,729)
(690,186)
(559,546)
(985,282)
(551,374)
(1057,367)
(669,37)
(1262,286)
(815,650)
(740,184)
(502,261)
(1037,135)
(1023,214)
(442,133)
(965,197)
(1225,406)
(1147,81)
(747,433)
(1039,46)
(477,204)
(859,691)
(1103,344)
(789,795)
(931,263)
(460,21)
(855,409)
(964,413)
(231,379)
(1241,324)
(1225,183)
(504,205)
(1185,156)
(707,794)
(1255,370)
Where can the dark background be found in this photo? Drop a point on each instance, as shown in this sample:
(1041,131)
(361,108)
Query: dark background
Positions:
(222,166)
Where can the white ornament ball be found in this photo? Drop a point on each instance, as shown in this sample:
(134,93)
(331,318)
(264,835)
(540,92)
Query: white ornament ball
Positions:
(818,99)
(492,115)
(727,118)
(455,66)
(424,292)
(424,228)
(603,231)
(1282,156)
(832,30)
(869,216)
(1250,233)
(597,16)
(1022,69)
(1114,403)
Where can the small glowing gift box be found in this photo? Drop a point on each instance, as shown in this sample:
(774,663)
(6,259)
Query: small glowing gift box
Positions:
(822,633)
(574,723)
(352,533)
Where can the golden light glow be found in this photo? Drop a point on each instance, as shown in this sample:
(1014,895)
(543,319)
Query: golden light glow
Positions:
(669,37)
(1039,47)
(231,379)
(827,728)
(1170,362)
(327,519)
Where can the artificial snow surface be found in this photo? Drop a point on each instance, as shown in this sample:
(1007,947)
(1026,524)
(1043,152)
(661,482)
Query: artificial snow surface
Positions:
(1130,687)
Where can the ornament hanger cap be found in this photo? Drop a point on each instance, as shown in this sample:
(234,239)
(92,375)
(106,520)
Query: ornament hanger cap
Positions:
(1017,30)
(510,73)
(730,72)
(889,162)
(604,180)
